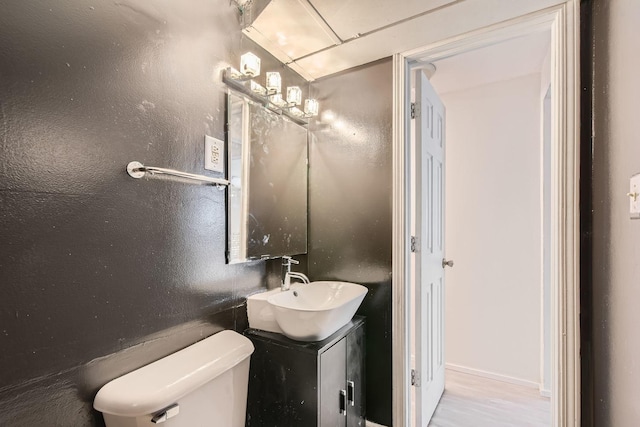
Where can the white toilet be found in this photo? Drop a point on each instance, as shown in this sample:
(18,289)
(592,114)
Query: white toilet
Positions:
(204,384)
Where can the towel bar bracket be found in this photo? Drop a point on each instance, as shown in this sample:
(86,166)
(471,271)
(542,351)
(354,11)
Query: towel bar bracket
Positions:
(135,169)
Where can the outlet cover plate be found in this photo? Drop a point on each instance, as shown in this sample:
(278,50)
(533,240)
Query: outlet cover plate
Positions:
(213,154)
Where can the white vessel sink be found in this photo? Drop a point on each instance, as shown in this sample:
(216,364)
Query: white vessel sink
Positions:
(260,312)
(314,311)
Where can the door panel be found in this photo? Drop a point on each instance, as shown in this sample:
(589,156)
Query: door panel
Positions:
(429,274)
(333,371)
(355,378)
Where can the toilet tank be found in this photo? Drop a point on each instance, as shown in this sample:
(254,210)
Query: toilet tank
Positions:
(204,384)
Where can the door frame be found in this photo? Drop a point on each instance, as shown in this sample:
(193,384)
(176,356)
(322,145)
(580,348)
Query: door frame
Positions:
(563,22)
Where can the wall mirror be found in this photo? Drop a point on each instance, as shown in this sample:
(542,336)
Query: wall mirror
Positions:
(267,194)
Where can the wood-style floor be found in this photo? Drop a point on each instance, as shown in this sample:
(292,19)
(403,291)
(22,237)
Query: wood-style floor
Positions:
(473,401)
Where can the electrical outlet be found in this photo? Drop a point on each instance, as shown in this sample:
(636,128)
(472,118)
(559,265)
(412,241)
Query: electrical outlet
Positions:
(213,154)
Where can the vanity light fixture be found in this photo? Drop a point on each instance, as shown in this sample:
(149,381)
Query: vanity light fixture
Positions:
(294,95)
(270,95)
(274,83)
(250,65)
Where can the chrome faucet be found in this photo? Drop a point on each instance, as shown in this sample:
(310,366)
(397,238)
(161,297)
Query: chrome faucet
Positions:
(287,274)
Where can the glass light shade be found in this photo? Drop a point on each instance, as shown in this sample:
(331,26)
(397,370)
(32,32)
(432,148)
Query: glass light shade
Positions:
(250,65)
(311,107)
(274,82)
(294,95)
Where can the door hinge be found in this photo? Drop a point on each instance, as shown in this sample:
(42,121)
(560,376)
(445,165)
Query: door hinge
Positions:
(415,110)
(415,378)
(415,246)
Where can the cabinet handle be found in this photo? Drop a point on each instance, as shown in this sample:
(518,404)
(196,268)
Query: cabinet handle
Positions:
(351,392)
(343,402)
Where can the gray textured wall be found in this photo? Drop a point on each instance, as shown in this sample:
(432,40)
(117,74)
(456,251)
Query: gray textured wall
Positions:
(616,238)
(350,207)
(100,273)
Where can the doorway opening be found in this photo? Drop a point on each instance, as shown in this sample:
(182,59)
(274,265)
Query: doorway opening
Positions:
(562,192)
(496,306)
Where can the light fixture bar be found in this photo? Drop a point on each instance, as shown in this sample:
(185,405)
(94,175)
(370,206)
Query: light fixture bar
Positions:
(252,89)
(269,95)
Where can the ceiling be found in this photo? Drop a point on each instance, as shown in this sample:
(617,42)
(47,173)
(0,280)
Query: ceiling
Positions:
(317,38)
(499,62)
(301,32)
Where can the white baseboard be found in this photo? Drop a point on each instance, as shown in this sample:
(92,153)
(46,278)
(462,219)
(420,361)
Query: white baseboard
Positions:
(372,424)
(493,376)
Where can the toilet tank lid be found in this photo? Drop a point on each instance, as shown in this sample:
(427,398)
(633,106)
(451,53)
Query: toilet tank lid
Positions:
(161,383)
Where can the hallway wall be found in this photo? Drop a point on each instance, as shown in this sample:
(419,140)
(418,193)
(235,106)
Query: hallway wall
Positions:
(493,228)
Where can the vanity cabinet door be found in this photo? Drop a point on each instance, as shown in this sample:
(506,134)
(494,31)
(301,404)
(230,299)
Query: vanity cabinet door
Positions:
(355,348)
(333,391)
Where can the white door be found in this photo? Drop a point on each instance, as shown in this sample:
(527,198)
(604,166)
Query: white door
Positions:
(429,261)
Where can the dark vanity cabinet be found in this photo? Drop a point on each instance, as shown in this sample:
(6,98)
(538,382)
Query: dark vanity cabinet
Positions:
(308,384)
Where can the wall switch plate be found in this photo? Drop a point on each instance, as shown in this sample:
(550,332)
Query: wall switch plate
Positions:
(634,196)
(213,154)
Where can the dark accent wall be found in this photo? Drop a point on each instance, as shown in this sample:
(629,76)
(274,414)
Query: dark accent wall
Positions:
(615,263)
(101,273)
(350,212)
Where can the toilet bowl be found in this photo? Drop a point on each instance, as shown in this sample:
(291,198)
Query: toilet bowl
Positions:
(204,384)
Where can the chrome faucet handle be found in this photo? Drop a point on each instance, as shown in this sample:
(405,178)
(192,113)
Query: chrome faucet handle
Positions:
(287,260)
